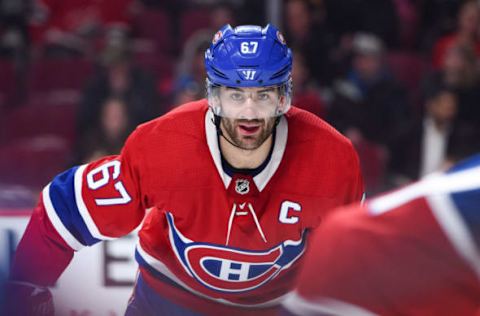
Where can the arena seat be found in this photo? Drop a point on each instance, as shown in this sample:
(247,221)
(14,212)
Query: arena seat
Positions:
(8,81)
(155,25)
(191,21)
(32,162)
(41,119)
(373,163)
(409,69)
(49,80)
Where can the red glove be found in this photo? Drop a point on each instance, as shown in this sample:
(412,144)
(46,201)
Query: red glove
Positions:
(23,298)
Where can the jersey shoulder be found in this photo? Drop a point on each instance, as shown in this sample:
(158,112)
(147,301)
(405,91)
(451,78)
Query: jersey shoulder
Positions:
(166,146)
(182,127)
(174,132)
(307,127)
(187,119)
(324,160)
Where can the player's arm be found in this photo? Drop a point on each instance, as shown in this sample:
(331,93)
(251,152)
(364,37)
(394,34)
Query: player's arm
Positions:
(80,207)
(335,268)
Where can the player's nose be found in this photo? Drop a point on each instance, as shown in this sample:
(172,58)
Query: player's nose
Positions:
(250,110)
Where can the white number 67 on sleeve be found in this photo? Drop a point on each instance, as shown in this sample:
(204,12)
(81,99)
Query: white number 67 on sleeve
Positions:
(106,172)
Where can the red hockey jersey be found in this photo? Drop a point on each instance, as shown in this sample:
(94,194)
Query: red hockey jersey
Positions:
(234,240)
(411,252)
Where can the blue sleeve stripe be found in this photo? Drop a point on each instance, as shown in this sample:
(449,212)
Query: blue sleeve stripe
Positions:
(467,203)
(62,196)
(453,224)
(82,208)
(70,239)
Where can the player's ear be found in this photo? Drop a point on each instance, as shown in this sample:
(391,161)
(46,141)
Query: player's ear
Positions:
(282,103)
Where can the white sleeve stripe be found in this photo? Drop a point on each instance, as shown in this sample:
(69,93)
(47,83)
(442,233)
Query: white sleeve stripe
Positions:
(82,208)
(57,223)
(454,227)
(322,306)
(433,184)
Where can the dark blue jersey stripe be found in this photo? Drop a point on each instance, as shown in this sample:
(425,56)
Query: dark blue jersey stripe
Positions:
(468,205)
(62,195)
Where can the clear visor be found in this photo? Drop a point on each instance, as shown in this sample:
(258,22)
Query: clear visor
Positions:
(249,103)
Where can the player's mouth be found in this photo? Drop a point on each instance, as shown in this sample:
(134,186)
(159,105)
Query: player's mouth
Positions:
(248,129)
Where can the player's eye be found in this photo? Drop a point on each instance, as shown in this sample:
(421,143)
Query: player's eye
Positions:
(263,96)
(237,96)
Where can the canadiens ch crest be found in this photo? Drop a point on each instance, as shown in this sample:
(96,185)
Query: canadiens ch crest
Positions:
(242,186)
(232,270)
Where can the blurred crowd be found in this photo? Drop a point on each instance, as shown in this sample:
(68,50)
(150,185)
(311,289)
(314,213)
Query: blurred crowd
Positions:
(400,78)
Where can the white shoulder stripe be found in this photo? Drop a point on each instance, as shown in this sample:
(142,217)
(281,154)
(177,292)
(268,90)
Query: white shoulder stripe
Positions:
(82,208)
(322,306)
(434,184)
(57,223)
(454,227)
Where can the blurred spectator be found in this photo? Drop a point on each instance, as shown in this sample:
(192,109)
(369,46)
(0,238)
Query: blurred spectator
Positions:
(306,32)
(118,77)
(244,11)
(221,14)
(464,141)
(190,79)
(460,72)
(436,19)
(378,17)
(368,103)
(306,94)
(190,76)
(466,34)
(109,136)
(13,28)
(71,27)
(422,147)
(408,23)
(207,18)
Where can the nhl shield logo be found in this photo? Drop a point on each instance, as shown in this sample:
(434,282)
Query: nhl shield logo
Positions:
(242,186)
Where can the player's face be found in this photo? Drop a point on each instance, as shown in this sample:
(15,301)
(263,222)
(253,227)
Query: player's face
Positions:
(248,114)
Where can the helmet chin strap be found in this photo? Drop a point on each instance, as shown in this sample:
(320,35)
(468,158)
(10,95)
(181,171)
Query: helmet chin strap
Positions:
(217,119)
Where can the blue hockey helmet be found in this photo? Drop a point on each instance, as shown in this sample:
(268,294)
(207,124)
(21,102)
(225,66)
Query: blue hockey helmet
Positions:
(249,56)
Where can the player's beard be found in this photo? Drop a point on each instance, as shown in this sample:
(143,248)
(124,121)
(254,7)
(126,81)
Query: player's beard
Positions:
(250,142)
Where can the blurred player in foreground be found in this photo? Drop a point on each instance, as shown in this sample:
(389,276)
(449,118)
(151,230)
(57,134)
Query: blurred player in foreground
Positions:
(415,251)
(234,183)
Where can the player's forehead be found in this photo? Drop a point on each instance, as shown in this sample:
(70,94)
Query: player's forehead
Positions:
(249,89)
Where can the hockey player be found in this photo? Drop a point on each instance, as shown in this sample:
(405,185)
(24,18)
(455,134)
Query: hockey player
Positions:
(415,251)
(234,183)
